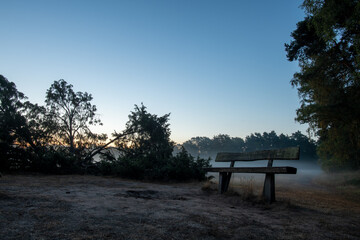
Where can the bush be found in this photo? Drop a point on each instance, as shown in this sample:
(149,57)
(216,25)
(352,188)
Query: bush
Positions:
(180,167)
(55,161)
(130,168)
(183,166)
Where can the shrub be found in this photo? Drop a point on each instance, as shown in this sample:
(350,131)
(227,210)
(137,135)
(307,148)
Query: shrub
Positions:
(180,167)
(55,161)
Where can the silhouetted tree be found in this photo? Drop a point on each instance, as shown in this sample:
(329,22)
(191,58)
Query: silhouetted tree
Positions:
(72,113)
(307,146)
(198,146)
(254,142)
(147,146)
(20,122)
(222,141)
(327,45)
(146,151)
(149,135)
(11,120)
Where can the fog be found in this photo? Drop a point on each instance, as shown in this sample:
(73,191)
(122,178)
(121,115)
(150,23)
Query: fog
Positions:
(307,171)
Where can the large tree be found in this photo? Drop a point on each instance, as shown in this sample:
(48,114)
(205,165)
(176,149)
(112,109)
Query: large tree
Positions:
(11,121)
(327,46)
(72,113)
(21,126)
(11,105)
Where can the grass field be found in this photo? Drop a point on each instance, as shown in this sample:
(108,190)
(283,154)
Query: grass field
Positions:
(90,207)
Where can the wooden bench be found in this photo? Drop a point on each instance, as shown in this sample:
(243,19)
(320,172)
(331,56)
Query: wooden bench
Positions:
(291,153)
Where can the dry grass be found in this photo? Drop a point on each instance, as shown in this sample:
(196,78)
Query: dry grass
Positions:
(326,192)
(209,186)
(339,179)
(244,187)
(239,186)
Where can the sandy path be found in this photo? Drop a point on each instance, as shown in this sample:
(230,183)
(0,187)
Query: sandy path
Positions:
(89,207)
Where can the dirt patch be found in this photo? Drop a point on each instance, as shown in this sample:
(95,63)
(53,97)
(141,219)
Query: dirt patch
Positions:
(150,195)
(88,207)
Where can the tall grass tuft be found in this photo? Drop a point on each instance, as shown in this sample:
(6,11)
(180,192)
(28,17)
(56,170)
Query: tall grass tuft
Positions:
(244,186)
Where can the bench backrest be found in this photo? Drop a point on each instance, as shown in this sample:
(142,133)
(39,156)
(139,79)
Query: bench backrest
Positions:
(291,153)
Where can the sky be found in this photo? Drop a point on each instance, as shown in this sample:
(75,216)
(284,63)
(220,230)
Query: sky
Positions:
(219,67)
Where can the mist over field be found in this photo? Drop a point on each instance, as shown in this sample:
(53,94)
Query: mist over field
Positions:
(307,171)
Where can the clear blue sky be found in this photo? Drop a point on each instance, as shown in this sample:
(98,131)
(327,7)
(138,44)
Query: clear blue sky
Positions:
(216,66)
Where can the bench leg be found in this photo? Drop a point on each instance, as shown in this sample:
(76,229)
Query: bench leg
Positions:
(224,180)
(269,188)
(227,182)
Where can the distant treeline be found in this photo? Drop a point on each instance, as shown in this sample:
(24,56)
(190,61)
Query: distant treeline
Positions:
(209,147)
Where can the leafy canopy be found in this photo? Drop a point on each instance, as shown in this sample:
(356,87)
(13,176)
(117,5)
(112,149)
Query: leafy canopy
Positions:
(72,113)
(20,124)
(147,136)
(146,151)
(327,45)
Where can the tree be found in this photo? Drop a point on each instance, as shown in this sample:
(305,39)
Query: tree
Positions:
(327,45)
(198,146)
(307,145)
(222,141)
(72,113)
(11,105)
(146,144)
(146,151)
(254,142)
(20,123)
(11,120)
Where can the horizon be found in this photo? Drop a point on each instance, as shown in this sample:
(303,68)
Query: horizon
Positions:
(218,68)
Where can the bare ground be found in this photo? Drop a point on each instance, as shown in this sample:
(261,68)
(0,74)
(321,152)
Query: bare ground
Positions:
(90,207)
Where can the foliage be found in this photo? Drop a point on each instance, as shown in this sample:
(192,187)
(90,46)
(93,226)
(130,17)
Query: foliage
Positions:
(147,135)
(18,135)
(205,147)
(147,146)
(183,166)
(30,134)
(327,45)
(55,160)
(72,113)
(147,151)
(10,120)
(180,167)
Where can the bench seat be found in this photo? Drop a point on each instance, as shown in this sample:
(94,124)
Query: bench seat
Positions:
(277,170)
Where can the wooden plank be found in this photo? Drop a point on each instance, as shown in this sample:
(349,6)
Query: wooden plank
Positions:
(291,153)
(279,170)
